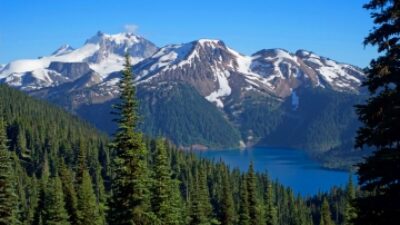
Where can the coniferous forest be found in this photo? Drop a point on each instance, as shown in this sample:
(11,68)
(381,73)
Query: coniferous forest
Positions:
(57,169)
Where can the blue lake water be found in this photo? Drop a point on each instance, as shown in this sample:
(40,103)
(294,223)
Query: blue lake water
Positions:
(293,168)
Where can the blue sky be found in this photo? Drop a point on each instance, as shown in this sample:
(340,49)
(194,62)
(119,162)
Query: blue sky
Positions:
(334,28)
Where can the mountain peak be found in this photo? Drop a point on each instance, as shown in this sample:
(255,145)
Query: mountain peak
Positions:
(119,38)
(213,43)
(209,41)
(273,53)
(103,52)
(64,49)
(306,54)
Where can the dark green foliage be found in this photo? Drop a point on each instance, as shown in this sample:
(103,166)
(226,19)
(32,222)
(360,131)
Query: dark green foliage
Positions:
(130,202)
(89,213)
(325,214)
(166,200)
(43,137)
(70,197)
(175,111)
(349,211)
(200,210)
(252,196)
(380,114)
(179,113)
(244,216)
(270,210)
(47,129)
(324,120)
(8,197)
(54,212)
(260,116)
(227,205)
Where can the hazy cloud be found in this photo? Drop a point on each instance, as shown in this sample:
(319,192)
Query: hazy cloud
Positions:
(131,28)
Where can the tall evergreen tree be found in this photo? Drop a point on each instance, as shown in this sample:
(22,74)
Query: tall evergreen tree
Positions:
(70,196)
(8,197)
(101,195)
(200,209)
(378,174)
(43,186)
(87,204)
(204,193)
(54,212)
(252,195)
(81,162)
(270,209)
(130,202)
(349,211)
(326,218)
(244,218)
(165,196)
(227,205)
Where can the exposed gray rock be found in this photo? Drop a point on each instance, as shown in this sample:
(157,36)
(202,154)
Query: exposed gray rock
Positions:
(72,70)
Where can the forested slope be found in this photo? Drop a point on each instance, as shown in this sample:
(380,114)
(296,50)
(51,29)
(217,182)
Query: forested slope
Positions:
(61,175)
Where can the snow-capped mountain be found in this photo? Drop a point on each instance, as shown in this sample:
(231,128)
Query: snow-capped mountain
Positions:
(202,92)
(102,54)
(216,70)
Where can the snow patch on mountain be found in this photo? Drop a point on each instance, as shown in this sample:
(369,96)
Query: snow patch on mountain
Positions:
(223,88)
(171,55)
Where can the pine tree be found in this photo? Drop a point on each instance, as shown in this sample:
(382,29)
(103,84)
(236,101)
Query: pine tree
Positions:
(82,161)
(349,211)
(70,196)
(87,204)
(379,178)
(227,205)
(21,180)
(200,200)
(165,196)
(244,218)
(130,202)
(326,218)
(252,196)
(43,186)
(101,195)
(8,197)
(270,209)
(204,193)
(54,212)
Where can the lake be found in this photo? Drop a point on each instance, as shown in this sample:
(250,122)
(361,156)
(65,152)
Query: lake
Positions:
(293,168)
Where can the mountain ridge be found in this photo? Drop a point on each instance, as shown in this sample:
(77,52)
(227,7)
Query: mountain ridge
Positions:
(254,95)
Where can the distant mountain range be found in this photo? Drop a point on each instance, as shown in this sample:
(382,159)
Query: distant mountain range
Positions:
(203,93)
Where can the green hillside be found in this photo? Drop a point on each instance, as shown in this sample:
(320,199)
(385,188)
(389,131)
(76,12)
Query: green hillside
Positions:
(60,174)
